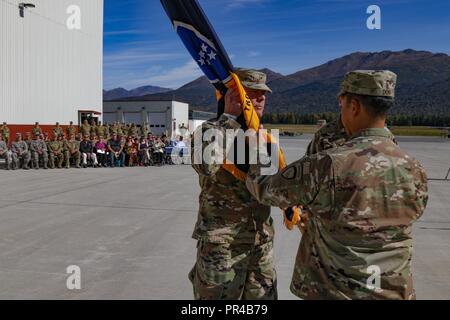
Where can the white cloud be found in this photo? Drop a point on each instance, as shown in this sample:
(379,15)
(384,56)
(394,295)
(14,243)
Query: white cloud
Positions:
(156,76)
(124,32)
(178,76)
(134,59)
(137,56)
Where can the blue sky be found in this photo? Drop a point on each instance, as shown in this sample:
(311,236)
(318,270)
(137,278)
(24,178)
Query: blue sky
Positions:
(141,47)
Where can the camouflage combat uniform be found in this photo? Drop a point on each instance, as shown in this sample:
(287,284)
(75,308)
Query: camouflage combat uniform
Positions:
(134,131)
(93,130)
(55,150)
(85,129)
(124,129)
(5,132)
(145,130)
(331,135)
(72,151)
(101,131)
(58,131)
(234,232)
(107,131)
(71,130)
(39,150)
(28,140)
(36,130)
(362,199)
(5,154)
(19,150)
(114,129)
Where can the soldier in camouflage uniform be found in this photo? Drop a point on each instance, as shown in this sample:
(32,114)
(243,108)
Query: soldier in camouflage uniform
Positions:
(63,140)
(100,131)
(46,138)
(55,151)
(36,129)
(58,131)
(113,129)
(125,129)
(107,129)
(85,128)
(120,131)
(145,129)
(72,151)
(29,140)
(19,150)
(133,131)
(5,132)
(39,151)
(93,128)
(234,232)
(331,135)
(5,153)
(362,199)
(78,137)
(71,129)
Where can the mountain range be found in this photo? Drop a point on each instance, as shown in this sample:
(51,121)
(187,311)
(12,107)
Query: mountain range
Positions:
(120,93)
(423,84)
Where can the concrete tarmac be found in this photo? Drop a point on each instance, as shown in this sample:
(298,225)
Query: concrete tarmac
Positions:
(129,230)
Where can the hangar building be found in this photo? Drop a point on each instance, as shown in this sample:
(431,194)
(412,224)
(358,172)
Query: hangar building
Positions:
(162,116)
(51,56)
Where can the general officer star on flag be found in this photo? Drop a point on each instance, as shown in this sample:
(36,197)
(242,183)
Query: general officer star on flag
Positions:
(204,52)
(206,57)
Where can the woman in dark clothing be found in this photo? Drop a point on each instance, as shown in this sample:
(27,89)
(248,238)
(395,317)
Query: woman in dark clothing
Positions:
(143,152)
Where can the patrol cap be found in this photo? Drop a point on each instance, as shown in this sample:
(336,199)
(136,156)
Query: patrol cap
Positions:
(379,83)
(253,79)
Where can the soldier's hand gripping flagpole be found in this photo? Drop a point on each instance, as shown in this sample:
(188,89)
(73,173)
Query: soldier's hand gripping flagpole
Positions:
(202,42)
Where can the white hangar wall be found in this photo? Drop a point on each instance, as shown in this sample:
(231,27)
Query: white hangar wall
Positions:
(49,72)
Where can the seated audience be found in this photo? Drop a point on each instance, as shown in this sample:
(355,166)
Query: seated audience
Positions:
(143,152)
(101,151)
(115,148)
(87,152)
